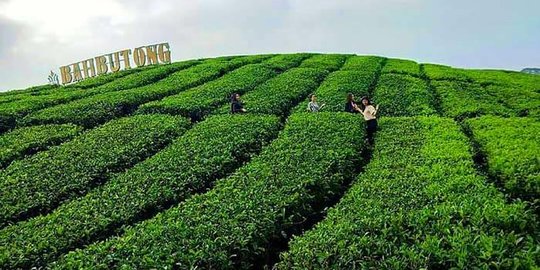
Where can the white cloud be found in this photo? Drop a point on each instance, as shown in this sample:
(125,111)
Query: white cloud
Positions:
(64,20)
(39,35)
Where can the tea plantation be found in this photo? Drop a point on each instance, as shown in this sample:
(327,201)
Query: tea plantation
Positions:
(147,169)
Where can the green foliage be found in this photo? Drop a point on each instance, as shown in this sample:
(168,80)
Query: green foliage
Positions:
(284,62)
(95,110)
(367,64)
(463,100)
(511,146)
(497,92)
(145,77)
(403,95)
(419,205)
(230,226)
(402,66)
(527,82)
(15,110)
(517,99)
(356,76)
(278,95)
(333,91)
(517,80)
(105,78)
(39,183)
(441,72)
(12,111)
(330,62)
(245,60)
(11,98)
(28,140)
(199,101)
(212,149)
(30,90)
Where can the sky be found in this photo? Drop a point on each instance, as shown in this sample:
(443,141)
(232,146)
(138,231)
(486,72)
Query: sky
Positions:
(38,36)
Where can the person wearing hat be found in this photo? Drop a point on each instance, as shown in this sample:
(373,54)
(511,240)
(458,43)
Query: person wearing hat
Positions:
(369,111)
(313,106)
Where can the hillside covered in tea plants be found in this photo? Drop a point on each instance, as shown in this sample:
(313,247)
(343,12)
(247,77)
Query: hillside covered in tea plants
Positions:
(147,169)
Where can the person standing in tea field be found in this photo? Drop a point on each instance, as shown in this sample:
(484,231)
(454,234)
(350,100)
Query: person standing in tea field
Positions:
(236,104)
(350,105)
(313,106)
(369,111)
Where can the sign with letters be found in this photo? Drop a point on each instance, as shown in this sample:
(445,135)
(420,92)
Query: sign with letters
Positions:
(116,61)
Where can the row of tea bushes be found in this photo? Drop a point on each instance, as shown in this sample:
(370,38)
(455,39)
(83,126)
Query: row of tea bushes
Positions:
(105,78)
(329,62)
(284,62)
(420,204)
(461,100)
(230,226)
(210,150)
(403,95)
(521,80)
(199,101)
(402,66)
(357,76)
(12,112)
(278,95)
(95,110)
(41,182)
(367,64)
(511,147)
(28,140)
(275,96)
(333,92)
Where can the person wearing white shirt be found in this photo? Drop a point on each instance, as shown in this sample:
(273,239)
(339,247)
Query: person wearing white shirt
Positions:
(369,111)
(313,106)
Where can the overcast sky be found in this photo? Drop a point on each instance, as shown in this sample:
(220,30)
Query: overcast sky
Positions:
(37,36)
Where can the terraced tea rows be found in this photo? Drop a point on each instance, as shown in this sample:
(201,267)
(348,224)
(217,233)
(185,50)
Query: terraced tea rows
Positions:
(146,168)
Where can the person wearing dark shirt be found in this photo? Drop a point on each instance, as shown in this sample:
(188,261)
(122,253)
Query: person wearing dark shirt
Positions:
(236,104)
(351,106)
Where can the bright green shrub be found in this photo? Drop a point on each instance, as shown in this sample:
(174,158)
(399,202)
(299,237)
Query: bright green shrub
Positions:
(368,64)
(462,100)
(41,182)
(30,90)
(246,60)
(92,111)
(284,62)
(278,95)
(231,225)
(28,140)
(517,91)
(402,66)
(512,147)
(12,111)
(419,204)
(210,150)
(11,98)
(524,81)
(330,62)
(517,99)
(199,101)
(440,72)
(403,95)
